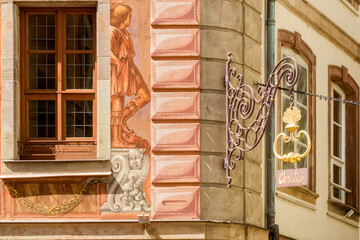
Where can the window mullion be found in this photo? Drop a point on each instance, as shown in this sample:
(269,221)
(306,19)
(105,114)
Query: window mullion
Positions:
(59,57)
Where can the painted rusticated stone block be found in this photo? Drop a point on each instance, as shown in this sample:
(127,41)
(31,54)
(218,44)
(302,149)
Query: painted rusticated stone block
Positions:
(170,12)
(2,201)
(175,42)
(175,105)
(175,168)
(178,203)
(175,74)
(175,137)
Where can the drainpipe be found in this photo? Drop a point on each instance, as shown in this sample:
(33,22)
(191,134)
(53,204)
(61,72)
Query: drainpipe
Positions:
(270,131)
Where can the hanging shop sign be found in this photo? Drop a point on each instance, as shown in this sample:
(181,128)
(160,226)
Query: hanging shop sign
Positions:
(292,177)
(244,129)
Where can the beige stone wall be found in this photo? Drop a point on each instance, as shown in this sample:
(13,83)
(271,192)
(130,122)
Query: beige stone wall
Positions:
(299,219)
(228,26)
(349,20)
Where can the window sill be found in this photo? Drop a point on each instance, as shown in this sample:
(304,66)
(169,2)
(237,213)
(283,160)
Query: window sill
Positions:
(343,219)
(295,200)
(25,169)
(57,150)
(340,209)
(301,193)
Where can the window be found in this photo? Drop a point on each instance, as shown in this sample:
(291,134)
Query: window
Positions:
(354,3)
(58,84)
(338,146)
(344,142)
(292,44)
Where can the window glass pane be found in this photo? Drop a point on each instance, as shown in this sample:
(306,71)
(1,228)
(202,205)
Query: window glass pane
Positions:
(41,119)
(302,86)
(337,180)
(301,148)
(337,151)
(303,121)
(288,165)
(41,32)
(79,121)
(79,71)
(41,69)
(337,109)
(79,32)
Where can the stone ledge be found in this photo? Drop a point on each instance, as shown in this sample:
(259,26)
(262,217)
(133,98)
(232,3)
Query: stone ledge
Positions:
(131,230)
(73,174)
(52,3)
(54,168)
(289,196)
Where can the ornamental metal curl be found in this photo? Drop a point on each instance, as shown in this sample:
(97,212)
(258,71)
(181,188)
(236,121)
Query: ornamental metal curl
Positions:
(241,101)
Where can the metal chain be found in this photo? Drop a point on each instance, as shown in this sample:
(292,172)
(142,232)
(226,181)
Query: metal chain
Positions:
(49,211)
(315,95)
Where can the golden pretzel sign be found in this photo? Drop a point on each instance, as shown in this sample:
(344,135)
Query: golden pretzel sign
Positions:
(291,116)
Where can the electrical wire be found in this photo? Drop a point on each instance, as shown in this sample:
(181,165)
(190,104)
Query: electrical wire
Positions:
(316,95)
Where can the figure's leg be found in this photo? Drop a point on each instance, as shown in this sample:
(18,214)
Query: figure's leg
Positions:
(141,98)
(117,105)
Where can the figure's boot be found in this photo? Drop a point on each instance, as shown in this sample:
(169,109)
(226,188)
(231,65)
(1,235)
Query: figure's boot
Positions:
(116,139)
(128,112)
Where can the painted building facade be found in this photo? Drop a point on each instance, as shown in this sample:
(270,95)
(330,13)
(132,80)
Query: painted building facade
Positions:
(327,46)
(113,119)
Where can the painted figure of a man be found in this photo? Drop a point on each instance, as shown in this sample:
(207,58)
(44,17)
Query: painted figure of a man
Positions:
(126,80)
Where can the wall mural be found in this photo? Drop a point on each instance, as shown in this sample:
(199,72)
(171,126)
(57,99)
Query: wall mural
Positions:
(126,81)
(130,110)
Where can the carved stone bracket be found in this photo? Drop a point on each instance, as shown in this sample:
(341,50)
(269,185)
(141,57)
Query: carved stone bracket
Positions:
(125,193)
(241,100)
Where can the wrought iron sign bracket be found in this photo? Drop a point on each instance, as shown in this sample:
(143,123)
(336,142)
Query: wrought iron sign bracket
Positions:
(241,102)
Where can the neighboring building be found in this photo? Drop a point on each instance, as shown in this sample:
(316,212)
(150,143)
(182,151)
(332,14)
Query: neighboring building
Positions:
(113,119)
(324,36)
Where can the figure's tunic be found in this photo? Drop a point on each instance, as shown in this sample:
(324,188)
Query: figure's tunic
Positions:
(124,77)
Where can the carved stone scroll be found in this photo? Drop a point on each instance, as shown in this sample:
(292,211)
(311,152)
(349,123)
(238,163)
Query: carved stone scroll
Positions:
(126,193)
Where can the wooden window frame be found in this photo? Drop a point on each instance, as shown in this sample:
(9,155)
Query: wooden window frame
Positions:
(354,3)
(61,146)
(339,161)
(294,42)
(339,77)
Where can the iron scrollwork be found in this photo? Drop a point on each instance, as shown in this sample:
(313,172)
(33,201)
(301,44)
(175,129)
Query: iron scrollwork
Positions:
(241,101)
